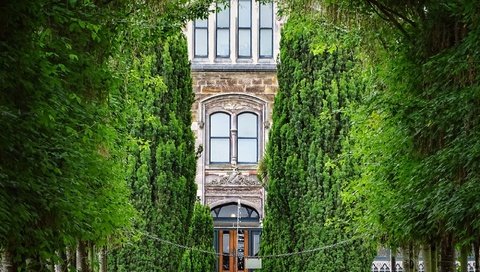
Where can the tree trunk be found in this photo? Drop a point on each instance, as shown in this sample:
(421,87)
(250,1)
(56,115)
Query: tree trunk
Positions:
(393,261)
(71,259)
(430,257)
(447,254)
(102,257)
(91,255)
(476,248)
(464,252)
(410,257)
(434,256)
(427,258)
(82,257)
(7,262)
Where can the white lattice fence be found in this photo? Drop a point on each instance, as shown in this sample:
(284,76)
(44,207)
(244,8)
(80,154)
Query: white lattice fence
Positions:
(385,266)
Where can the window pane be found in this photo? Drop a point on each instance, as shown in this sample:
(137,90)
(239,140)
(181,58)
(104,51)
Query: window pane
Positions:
(247,125)
(247,150)
(266,43)
(223,17)
(201,23)
(219,150)
(266,15)
(232,210)
(244,43)
(223,42)
(220,125)
(201,39)
(256,244)
(244,13)
(226,250)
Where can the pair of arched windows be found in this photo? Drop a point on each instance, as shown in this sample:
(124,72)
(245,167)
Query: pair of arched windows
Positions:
(236,140)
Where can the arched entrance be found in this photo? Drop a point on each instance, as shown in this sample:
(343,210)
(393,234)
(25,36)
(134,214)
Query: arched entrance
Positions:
(237,235)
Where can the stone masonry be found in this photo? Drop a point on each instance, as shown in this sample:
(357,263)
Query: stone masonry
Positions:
(234,90)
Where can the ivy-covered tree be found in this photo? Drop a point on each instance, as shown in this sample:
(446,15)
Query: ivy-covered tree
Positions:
(306,169)
(202,255)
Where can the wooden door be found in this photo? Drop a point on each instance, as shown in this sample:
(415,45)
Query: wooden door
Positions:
(233,246)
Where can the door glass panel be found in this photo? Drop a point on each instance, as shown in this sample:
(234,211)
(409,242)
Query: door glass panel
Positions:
(256,244)
(226,251)
(241,250)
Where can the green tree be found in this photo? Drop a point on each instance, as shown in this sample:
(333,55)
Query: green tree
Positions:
(306,169)
(201,257)
(418,137)
(161,160)
(61,174)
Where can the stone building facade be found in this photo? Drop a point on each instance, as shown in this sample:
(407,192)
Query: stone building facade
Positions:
(233,55)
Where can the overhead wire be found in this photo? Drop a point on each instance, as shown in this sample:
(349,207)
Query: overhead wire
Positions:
(261,256)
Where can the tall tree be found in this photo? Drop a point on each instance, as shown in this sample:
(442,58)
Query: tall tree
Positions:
(162,156)
(419,138)
(201,256)
(61,175)
(306,170)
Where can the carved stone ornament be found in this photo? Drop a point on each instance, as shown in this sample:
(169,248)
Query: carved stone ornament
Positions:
(235,106)
(235,178)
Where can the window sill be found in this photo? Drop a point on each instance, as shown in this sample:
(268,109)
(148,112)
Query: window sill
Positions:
(240,67)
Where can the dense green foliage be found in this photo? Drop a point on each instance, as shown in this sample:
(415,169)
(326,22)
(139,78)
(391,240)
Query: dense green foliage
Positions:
(201,241)
(417,138)
(95,98)
(61,175)
(306,170)
(161,160)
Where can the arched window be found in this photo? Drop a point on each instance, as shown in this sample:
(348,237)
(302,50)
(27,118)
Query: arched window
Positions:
(232,211)
(247,145)
(220,138)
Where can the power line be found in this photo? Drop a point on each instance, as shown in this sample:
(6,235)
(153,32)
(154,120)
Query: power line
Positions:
(262,257)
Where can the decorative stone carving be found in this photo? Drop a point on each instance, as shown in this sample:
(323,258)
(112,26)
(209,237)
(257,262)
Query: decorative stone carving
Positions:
(235,178)
(235,106)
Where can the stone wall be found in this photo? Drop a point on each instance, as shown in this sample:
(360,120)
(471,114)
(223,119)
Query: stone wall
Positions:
(219,184)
